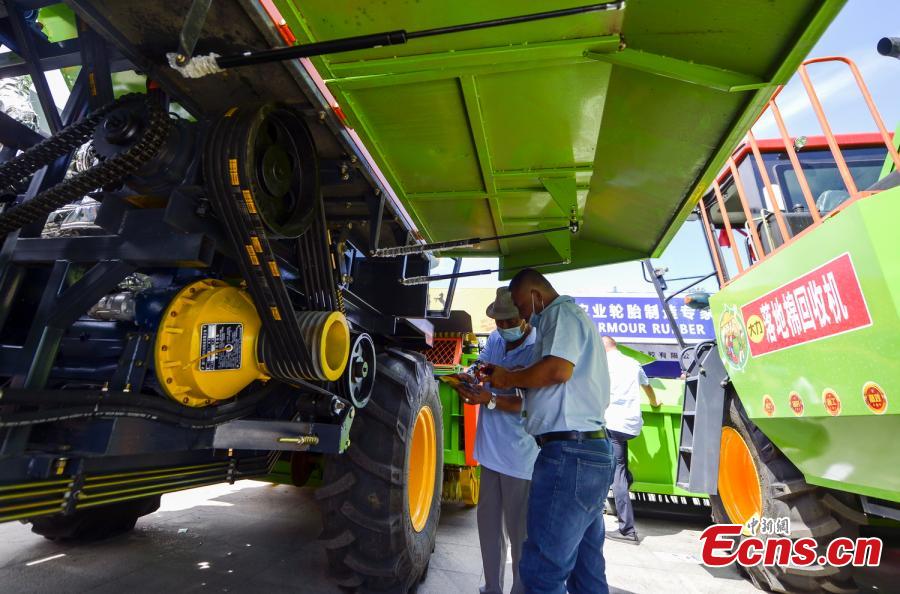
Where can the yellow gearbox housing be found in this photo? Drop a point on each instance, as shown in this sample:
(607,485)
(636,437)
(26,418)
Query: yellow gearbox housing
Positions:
(206,345)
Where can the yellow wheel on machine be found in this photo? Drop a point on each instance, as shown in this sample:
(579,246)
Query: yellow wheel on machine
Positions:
(469,485)
(756,480)
(422,459)
(381,499)
(739,487)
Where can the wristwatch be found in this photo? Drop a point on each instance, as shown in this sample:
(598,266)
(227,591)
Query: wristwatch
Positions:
(492,403)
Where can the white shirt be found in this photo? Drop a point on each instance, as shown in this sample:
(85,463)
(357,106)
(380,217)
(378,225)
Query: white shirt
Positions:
(626,376)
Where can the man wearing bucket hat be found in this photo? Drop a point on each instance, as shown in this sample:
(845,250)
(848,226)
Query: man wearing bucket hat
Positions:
(566,395)
(502,447)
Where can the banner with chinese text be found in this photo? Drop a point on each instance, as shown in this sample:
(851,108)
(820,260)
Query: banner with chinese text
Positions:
(641,319)
(819,304)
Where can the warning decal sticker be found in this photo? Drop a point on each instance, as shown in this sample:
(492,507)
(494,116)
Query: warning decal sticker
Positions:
(875,398)
(832,402)
(220,346)
(796,403)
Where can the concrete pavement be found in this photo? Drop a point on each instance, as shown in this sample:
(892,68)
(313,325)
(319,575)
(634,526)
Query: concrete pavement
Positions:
(257,537)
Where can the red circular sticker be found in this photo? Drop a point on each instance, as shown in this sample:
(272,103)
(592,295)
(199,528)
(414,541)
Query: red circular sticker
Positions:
(768,405)
(875,398)
(796,403)
(832,402)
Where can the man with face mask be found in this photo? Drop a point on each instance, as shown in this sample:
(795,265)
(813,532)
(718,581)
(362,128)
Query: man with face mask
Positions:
(502,447)
(567,392)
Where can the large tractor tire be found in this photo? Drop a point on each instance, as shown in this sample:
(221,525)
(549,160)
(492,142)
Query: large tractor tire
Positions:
(95,523)
(755,479)
(381,498)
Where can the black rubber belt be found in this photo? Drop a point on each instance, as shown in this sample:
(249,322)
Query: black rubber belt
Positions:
(233,199)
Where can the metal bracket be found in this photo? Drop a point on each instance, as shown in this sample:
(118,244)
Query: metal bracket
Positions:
(648,266)
(190,31)
(376,209)
(711,77)
(29,52)
(95,60)
(879,509)
(289,436)
(564,192)
(133,363)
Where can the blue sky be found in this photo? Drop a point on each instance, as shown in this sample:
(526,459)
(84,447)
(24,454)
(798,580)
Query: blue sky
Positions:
(853,34)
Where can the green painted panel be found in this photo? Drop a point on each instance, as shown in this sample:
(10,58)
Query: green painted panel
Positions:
(653,455)
(466,117)
(428,144)
(635,172)
(464,218)
(57,23)
(569,101)
(326,19)
(742,36)
(849,450)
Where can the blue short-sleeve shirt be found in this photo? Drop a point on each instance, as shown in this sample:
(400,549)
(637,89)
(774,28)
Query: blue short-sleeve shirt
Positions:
(501,442)
(565,331)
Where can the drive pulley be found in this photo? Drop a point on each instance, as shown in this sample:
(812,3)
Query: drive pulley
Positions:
(261,173)
(211,344)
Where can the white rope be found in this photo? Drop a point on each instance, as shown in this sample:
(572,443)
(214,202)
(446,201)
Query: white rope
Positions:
(196,67)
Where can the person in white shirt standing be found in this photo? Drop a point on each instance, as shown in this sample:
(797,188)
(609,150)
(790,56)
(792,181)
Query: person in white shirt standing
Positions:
(504,450)
(624,422)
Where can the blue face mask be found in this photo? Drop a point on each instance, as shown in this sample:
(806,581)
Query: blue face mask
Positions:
(511,334)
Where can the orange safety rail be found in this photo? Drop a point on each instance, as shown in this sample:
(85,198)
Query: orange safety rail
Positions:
(470,428)
(445,352)
(713,248)
(764,174)
(725,218)
(755,249)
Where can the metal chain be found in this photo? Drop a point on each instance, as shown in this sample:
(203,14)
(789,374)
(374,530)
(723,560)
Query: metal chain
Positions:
(68,139)
(112,170)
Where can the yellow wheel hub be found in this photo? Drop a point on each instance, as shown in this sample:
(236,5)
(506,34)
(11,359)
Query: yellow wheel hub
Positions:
(739,487)
(469,485)
(206,344)
(422,462)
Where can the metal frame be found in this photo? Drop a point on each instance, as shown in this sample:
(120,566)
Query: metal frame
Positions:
(64,276)
(755,251)
(60,278)
(464,66)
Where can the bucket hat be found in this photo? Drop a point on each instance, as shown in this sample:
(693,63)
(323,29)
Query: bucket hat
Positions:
(503,307)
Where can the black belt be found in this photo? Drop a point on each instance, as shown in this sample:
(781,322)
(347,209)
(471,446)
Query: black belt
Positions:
(545,438)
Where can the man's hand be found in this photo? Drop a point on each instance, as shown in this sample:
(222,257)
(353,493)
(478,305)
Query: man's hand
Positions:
(500,378)
(483,372)
(651,395)
(473,394)
(465,377)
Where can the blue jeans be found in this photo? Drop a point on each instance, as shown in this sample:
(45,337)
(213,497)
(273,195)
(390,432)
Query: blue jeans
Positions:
(564,547)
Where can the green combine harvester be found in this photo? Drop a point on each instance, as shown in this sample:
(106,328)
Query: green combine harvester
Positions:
(789,413)
(226,274)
